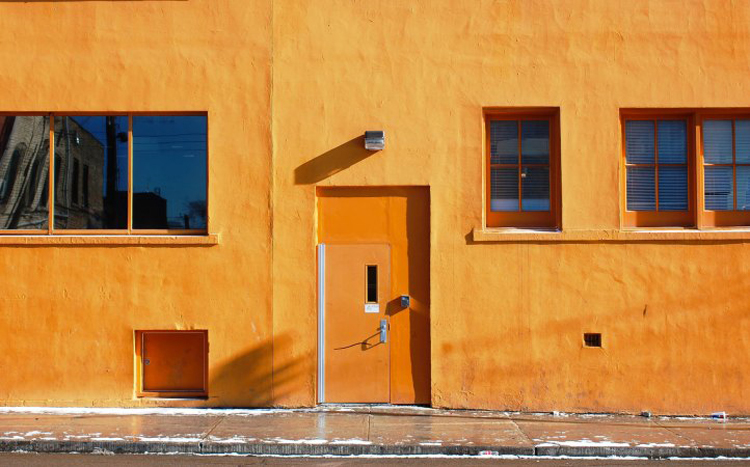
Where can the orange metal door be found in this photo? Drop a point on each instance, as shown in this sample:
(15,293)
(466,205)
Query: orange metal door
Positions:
(357,350)
(174,362)
(399,217)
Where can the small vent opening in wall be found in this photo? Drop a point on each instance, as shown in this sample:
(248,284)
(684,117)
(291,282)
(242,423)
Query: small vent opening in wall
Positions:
(591,339)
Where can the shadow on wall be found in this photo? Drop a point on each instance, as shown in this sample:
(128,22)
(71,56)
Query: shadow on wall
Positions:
(251,380)
(331,162)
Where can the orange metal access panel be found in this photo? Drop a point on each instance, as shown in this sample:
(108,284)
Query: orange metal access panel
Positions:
(172,363)
(356,346)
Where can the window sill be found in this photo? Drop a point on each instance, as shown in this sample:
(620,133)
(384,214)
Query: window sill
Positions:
(107,240)
(513,235)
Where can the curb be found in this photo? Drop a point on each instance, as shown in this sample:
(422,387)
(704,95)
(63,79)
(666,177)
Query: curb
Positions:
(293,449)
(650,452)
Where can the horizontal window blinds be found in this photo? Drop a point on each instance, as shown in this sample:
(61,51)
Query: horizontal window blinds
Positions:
(520,165)
(656,165)
(726,159)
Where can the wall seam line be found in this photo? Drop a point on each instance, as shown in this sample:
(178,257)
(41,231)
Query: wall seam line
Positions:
(271,199)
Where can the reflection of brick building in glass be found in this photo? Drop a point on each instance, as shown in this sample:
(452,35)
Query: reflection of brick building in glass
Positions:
(79,162)
(83,198)
(24,155)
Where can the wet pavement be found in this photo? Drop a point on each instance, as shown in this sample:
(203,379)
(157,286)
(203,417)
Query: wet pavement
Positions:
(63,460)
(368,430)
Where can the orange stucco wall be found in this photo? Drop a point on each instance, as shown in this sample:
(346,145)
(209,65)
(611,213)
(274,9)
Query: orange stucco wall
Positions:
(507,317)
(68,312)
(289,86)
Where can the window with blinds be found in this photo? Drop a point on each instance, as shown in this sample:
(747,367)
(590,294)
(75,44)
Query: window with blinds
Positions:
(521,171)
(726,165)
(657,172)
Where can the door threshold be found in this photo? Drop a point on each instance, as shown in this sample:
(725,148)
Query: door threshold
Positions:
(384,408)
(374,404)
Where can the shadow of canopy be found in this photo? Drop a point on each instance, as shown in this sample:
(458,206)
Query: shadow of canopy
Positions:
(331,162)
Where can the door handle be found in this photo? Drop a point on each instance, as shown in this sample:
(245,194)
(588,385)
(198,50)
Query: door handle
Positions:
(383,331)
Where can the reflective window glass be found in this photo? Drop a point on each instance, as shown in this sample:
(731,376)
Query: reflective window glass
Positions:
(504,190)
(719,189)
(672,138)
(743,188)
(641,188)
(742,141)
(504,142)
(717,141)
(656,155)
(535,188)
(535,142)
(24,172)
(533,174)
(639,141)
(169,172)
(91,172)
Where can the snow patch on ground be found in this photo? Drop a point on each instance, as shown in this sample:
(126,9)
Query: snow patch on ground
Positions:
(146,411)
(655,445)
(166,439)
(351,441)
(437,456)
(232,440)
(295,441)
(584,443)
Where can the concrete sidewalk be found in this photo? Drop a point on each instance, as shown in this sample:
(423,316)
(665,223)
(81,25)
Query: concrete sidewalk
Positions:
(366,430)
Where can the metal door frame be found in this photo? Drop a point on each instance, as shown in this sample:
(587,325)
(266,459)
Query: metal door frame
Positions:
(321,323)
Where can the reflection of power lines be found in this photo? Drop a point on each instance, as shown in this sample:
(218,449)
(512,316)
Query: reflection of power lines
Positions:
(90,180)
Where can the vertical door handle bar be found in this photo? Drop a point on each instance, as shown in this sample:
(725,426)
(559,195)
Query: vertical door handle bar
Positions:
(383,331)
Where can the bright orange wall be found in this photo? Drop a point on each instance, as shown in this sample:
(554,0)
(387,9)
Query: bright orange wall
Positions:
(508,316)
(288,86)
(68,312)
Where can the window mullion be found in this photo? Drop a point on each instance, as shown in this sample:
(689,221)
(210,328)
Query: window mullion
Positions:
(656,163)
(520,170)
(130,173)
(51,175)
(734,168)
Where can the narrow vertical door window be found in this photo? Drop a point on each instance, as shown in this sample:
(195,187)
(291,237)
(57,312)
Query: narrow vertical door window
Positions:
(372,284)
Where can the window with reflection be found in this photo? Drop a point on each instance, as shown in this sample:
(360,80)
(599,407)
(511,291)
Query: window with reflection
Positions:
(110,173)
(24,168)
(169,172)
(91,172)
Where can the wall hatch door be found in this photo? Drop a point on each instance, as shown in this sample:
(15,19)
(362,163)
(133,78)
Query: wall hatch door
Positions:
(355,327)
(173,363)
